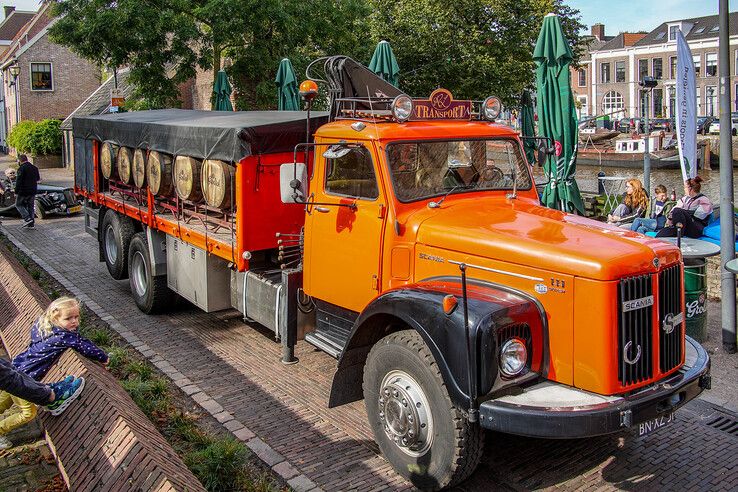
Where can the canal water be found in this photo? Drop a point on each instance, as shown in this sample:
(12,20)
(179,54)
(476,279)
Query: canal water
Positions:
(586,177)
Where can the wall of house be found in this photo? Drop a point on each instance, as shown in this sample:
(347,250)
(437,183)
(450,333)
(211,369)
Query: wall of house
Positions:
(73,79)
(629,89)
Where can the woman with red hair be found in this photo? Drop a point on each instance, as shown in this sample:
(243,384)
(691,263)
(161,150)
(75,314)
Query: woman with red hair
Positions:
(634,205)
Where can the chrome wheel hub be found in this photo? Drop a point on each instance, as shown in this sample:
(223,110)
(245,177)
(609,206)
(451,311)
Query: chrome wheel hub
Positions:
(139,277)
(111,249)
(405,413)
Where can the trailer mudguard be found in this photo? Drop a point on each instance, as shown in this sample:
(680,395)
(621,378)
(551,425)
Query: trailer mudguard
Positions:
(491,310)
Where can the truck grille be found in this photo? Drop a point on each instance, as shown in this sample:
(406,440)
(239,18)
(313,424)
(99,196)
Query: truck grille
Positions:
(670,317)
(635,320)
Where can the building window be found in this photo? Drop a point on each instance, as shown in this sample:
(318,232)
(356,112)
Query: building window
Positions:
(672,101)
(658,103)
(584,108)
(613,105)
(711,100)
(711,65)
(699,102)
(697,65)
(605,73)
(642,69)
(658,68)
(673,33)
(582,77)
(672,67)
(735,98)
(620,71)
(41,77)
(736,62)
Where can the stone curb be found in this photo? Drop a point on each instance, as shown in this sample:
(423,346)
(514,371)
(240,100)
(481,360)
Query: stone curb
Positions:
(276,462)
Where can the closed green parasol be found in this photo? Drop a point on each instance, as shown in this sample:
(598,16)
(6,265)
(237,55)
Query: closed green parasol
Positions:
(287,90)
(556,116)
(222,93)
(527,126)
(385,64)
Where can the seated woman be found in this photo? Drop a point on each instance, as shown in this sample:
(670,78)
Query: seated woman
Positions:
(691,212)
(657,213)
(634,205)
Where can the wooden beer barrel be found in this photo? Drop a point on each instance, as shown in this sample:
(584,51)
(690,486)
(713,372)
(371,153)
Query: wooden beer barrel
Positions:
(187,178)
(159,173)
(107,160)
(125,156)
(216,179)
(139,168)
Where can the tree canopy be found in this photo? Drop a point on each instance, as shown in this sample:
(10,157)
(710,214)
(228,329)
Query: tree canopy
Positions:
(472,47)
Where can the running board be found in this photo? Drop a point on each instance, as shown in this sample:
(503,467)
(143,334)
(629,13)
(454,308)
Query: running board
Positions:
(320,341)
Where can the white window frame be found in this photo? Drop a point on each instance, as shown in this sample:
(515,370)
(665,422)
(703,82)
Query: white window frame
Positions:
(707,60)
(699,102)
(697,60)
(735,98)
(610,104)
(602,73)
(653,68)
(672,26)
(673,73)
(30,75)
(616,71)
(579,77)
(711,103)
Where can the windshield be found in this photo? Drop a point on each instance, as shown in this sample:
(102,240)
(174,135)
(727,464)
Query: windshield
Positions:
(427,169)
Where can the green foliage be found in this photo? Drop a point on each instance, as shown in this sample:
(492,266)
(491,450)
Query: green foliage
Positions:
(99,336)
(20,136)
(36,137)
(119,357)
(150,395)
(474,48)
(219,466)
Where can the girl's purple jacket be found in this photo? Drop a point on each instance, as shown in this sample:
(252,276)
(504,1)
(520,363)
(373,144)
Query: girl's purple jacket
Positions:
(43,352)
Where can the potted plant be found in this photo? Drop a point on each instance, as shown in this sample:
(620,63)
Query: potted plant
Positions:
(42,140)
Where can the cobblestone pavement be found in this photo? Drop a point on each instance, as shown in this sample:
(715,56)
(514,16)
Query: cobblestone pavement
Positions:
(233,371)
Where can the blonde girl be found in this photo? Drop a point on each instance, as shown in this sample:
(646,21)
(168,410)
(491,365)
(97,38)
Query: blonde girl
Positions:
(53,333)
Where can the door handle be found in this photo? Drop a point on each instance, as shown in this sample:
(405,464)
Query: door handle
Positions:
(323,210)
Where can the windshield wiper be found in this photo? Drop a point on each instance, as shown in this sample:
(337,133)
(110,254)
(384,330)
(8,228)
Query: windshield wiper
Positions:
(439,202)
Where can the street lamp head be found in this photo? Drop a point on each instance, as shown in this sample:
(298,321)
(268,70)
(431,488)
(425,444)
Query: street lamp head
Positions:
(648,82)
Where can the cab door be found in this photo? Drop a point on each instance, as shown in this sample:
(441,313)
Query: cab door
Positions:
(343,229)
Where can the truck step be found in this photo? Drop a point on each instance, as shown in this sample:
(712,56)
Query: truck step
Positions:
(319,340)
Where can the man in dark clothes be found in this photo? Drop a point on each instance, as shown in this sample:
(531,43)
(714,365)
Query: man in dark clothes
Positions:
(56,397)
(26,186)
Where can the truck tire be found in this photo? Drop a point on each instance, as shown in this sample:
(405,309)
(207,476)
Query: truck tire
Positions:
(417,427)
(117,231)
(150,293)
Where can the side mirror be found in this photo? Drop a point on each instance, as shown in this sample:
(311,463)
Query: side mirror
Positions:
(293,182)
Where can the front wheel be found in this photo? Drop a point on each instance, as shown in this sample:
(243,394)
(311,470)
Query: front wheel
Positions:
(150,293)
(417,427)
(40,211)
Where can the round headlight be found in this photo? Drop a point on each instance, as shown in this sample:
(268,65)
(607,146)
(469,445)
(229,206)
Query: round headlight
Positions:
(402,107)
(491,108)
(513,357)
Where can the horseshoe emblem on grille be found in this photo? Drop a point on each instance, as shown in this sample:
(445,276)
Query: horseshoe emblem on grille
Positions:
(626,351)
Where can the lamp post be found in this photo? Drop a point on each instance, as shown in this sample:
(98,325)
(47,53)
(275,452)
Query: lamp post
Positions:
(647,84)
(15,71)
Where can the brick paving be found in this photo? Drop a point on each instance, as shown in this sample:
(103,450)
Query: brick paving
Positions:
(280,411)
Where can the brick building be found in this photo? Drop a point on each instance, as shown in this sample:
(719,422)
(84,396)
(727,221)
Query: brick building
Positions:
(581,80)
(615,67)
(41,79)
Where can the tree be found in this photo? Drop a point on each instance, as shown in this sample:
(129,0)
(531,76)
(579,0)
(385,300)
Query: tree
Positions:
(474,48)
(165,41)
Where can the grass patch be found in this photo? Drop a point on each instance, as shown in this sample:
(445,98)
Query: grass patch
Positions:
(98,336)
(220,465)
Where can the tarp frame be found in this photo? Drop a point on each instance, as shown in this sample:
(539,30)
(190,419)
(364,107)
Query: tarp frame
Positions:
(226,136)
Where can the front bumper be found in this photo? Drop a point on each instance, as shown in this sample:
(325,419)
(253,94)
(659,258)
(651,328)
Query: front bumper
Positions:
(556,411)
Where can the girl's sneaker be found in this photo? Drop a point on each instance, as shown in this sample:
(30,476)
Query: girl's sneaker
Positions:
(5,443)
(65,392)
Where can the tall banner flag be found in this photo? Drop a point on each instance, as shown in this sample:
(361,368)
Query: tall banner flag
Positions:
(686,103)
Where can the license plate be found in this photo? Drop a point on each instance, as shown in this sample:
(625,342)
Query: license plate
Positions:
(74,209)
(654,424)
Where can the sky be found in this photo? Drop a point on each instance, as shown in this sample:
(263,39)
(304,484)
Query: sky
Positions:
(641,15)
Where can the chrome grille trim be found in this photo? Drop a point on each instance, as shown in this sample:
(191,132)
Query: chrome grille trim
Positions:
(670,304)
(635,346)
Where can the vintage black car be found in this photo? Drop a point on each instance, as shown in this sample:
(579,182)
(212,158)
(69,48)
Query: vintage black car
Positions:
(50,200)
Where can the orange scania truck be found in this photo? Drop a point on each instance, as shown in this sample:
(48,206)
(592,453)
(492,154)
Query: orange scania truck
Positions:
(405,238)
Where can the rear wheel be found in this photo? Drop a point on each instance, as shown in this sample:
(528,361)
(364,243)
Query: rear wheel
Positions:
(117,231)
(150,293)
(39,209)
(417,427)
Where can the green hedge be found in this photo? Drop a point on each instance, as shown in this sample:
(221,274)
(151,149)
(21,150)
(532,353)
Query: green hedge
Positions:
(36,137)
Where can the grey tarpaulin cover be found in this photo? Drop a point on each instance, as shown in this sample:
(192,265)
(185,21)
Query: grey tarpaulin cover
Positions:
(223,135)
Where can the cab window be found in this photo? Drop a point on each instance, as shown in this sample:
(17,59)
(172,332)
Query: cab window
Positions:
(352,175)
